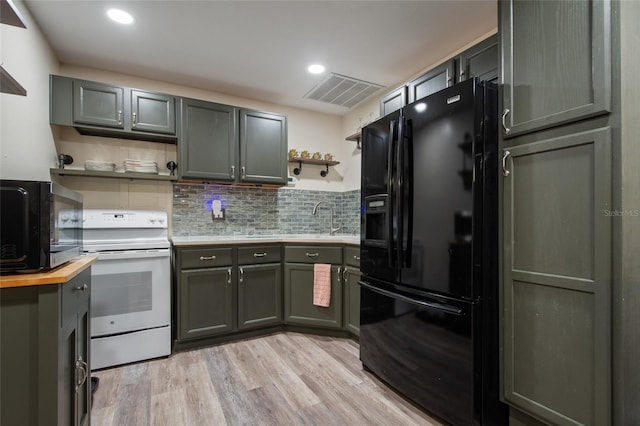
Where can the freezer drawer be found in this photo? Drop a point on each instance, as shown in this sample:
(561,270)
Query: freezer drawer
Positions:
(423,348)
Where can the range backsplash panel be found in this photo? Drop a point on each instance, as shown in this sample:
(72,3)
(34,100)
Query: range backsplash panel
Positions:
(261,211)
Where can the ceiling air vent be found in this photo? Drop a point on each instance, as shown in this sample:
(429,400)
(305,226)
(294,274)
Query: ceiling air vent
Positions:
(341,90)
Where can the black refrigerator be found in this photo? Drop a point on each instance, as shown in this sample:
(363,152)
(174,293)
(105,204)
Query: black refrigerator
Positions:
(429,253)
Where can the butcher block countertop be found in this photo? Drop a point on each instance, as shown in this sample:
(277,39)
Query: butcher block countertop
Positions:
(59,275)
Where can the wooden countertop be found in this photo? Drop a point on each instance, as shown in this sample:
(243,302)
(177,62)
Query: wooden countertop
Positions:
(59,275)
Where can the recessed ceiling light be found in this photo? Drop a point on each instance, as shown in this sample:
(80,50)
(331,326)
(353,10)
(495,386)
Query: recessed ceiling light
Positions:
(316,69)
(120,16)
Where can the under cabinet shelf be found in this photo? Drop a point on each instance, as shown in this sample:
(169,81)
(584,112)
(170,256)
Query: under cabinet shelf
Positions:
(115,175)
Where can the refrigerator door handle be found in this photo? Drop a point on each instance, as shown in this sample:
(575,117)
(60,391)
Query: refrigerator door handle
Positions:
(408,200)
(436,306)
(399,211)
(389,214)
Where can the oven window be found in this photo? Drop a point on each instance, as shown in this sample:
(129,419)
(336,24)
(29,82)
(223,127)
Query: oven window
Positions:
(116,294)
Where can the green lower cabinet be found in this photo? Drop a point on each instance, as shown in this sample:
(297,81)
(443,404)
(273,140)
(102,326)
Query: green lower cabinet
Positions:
(351,276)
(44,353)
(556,303)
(259,295)
(205,305)
(298,298)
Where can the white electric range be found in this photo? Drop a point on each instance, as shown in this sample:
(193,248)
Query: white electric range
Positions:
(131,285)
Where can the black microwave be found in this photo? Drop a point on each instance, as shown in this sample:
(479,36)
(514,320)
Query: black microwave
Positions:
(41,225)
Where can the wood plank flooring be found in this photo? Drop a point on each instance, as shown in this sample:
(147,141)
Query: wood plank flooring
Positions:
(281,379)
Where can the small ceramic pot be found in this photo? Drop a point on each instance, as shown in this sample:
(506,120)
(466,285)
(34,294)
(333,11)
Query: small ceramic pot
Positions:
(305,155)
(328,157)
(317,156)
(293,153)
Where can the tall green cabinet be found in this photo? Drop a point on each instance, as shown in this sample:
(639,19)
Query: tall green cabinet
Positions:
(558,145)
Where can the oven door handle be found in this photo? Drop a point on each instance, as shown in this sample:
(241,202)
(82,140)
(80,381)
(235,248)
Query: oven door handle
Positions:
(130,254)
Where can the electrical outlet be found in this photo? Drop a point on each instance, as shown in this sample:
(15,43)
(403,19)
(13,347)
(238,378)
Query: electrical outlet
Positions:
(217,212)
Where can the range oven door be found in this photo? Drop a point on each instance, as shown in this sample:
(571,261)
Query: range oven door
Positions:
(423,347)
(131,290)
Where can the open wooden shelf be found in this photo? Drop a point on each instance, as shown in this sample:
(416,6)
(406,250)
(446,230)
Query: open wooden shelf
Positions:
(114,175)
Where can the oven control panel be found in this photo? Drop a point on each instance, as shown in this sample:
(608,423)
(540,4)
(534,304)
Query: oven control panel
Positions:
(99,219)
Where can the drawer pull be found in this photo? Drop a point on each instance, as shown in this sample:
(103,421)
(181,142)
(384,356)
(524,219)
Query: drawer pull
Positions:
(207,258)
(83,287)
(259,254)
(357,258)
(312,254)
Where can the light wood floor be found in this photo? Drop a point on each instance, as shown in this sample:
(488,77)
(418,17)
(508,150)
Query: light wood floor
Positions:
(282,379)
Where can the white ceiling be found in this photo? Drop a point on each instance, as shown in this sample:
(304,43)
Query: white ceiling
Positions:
(261,49)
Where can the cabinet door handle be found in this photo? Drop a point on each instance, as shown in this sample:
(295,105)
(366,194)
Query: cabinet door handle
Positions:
(229,276)
(119,117)
(259,254)
(241,279)
(134,120)
(505,171)
(83,367)
(344,275)
(313,255)
(243,172)
(504,121)
(339,276)
(356,258)
(233,172)
(203,258)
(83,287)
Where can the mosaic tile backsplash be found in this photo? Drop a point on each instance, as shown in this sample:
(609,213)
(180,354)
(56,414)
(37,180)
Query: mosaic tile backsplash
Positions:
(261,211)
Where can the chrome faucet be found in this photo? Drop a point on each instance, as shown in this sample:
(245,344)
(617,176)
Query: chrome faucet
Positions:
(332,230)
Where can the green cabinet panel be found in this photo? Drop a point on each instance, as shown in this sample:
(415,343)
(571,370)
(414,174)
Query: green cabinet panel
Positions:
(480,60)
(556,62)
(313,254)
(350,279)
(432,81)
(44,353)
(393,101)
(298,297)
(263,147)
(557,275)
(259,254)
(98,104)
(208,141)
(259,295)
(205,257)
(205,302)
(153,112)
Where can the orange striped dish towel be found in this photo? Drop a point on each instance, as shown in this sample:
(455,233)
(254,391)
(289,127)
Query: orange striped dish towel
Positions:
(321,284)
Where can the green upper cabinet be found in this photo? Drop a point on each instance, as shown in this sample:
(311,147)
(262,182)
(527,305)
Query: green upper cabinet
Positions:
(393,101)
(101,109)
(223,143)
(153,112)
(432,81)
(208,140)
(98,104)
(263,147)
(480,60)
(555,62)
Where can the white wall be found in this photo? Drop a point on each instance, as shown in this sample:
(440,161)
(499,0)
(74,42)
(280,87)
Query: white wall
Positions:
(27,149)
